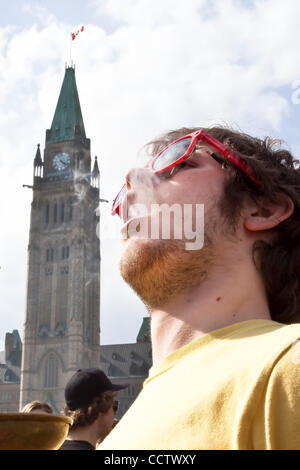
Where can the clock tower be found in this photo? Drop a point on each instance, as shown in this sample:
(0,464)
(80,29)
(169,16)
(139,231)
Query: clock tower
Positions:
(61,331)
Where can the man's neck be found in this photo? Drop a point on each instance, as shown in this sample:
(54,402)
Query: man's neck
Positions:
(222,300)
(86,433)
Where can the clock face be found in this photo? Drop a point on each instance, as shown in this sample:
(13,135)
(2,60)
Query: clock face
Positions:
(61,161)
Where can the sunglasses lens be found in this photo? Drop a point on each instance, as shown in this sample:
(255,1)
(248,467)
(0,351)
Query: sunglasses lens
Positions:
(119,198)
(171,154)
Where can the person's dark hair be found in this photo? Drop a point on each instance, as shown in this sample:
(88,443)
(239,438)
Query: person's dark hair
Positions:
(88,414)
(279,260)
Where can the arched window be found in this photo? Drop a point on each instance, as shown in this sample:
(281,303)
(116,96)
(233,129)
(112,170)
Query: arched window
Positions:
(62,212)
(51,372)
(47,213)
(65,252)
(49,254)
(55,213)
(70,210)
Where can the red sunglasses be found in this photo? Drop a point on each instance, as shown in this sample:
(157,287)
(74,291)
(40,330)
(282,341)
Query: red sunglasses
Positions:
(179,150)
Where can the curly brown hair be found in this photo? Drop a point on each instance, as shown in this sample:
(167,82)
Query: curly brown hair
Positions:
(278,171)
(88,414)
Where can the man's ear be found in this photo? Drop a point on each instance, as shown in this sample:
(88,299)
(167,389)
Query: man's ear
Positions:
(265,215)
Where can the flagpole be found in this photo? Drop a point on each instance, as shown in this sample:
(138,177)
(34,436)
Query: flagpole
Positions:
(71,49)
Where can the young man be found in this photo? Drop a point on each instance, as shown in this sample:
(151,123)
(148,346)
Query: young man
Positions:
(226,346)
(90,402)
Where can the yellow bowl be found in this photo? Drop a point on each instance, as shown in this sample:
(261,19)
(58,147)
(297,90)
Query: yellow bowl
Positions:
(32,431)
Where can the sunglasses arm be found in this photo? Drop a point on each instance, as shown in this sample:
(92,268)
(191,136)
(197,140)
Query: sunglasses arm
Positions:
(231,156)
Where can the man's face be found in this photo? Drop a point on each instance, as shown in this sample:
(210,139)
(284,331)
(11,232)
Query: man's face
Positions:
(106,422)
(155,267)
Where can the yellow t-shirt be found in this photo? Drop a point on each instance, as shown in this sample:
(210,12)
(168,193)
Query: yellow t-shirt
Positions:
(234,388)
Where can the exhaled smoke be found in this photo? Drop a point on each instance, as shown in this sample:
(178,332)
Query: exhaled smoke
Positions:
(142,181)
(80,185)
(148,218)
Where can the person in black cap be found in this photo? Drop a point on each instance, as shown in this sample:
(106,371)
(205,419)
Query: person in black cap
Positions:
(91,403)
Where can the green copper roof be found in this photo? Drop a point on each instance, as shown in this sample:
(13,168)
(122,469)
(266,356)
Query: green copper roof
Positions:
(17,339)
(67,122)
(144,333)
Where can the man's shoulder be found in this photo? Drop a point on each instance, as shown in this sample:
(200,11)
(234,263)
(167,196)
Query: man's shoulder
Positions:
(260,344)
(278,414)
(268,333)
(279,338)
(288,363)
(264,333)
(272,353)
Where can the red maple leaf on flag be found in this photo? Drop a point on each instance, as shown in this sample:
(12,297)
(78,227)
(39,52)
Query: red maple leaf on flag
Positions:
(73,35)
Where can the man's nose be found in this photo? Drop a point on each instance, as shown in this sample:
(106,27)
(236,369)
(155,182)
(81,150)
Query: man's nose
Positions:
(127,180)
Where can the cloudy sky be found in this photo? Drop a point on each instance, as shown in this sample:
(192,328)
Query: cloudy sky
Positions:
(142,67)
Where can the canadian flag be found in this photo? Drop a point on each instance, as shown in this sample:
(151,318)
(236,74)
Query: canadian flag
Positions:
(77,32)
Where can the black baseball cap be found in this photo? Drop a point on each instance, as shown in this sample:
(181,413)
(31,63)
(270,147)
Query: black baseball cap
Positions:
(87,384)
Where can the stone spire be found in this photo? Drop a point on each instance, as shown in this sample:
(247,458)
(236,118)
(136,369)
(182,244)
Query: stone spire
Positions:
(38,163)
(96,168)
(95,174)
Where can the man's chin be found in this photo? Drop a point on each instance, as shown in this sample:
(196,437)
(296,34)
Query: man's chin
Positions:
(142,264)
(157,269)
(138,255)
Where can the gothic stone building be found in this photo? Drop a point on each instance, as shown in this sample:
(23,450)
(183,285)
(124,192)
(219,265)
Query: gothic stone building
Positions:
(10,368)
(128,363)
(123,363)
(61,331)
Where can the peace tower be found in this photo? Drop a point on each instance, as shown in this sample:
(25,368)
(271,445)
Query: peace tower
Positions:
(61,331)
